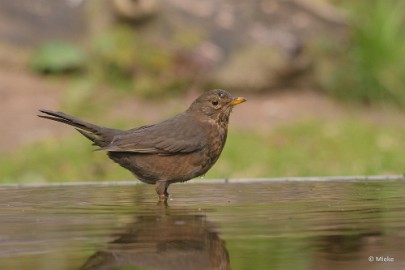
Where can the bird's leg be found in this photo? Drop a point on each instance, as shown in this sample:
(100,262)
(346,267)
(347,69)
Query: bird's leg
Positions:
(161,189)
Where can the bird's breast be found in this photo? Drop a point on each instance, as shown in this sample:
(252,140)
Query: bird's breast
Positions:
(215,142)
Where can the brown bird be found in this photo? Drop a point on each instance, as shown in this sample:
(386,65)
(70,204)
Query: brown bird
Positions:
(175,150)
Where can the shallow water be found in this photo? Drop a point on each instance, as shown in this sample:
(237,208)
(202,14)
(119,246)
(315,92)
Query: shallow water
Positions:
(258,225)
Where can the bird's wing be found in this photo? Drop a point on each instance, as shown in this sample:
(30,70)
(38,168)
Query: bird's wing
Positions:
(181,134)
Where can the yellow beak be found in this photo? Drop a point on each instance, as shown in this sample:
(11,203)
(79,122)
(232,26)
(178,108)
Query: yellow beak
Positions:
(237,101)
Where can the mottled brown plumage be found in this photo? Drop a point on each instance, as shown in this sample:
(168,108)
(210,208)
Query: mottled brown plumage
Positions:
(175,150)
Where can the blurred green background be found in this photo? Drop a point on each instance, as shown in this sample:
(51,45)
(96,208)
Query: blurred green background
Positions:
(325,82)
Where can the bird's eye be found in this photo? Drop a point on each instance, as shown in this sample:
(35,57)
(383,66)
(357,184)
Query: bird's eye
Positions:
(215,102)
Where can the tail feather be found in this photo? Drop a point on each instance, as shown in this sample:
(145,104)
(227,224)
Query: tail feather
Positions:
(68,119)
(100,136)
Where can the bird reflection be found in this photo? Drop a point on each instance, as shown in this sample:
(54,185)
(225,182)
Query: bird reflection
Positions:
(168,239)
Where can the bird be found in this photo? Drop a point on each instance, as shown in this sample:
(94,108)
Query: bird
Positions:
(174,150)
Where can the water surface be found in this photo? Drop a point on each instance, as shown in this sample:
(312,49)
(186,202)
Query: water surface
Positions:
(257,225)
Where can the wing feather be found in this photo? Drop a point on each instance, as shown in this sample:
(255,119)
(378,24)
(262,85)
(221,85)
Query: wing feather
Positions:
(181,134)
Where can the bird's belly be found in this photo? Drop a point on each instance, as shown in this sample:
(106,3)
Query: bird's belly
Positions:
(175,168)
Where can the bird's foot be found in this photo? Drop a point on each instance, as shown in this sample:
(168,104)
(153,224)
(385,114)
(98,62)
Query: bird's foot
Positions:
(163,197)
(161,190)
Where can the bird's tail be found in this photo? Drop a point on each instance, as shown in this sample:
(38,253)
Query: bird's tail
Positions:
(100,136)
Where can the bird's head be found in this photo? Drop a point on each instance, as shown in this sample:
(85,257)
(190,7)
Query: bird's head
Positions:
(215,104)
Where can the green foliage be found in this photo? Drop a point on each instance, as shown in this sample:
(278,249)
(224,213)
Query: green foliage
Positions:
(122,58)
(313,148)
(189,38)
(113,54)
(118,58)
(58,57)
(371,69)
(305,149)
(63,160)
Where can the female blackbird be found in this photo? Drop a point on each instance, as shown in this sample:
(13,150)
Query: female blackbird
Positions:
(175,150)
